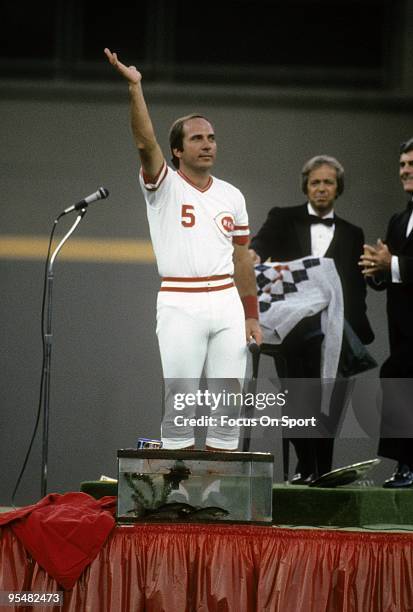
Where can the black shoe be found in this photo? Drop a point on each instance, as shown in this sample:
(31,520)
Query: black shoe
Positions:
(402,477)
(301,479)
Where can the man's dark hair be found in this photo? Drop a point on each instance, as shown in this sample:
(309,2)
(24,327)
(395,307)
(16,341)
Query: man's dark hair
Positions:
(407,146)
(316,162)
(176,134)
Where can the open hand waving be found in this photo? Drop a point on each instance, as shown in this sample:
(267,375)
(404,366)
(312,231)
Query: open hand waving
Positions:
(130,73)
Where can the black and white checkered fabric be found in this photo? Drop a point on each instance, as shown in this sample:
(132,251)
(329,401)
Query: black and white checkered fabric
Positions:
(289,291)
(278,280)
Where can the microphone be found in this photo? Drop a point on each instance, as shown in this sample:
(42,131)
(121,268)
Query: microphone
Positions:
(253,347)
(100,194)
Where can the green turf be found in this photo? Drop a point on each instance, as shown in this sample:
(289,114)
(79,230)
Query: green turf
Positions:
(348,506)
(99,488)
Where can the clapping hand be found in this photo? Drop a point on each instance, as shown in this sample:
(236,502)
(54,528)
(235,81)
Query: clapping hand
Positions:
(375,258)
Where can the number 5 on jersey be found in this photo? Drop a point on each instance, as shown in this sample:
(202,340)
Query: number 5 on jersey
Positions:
(187,215)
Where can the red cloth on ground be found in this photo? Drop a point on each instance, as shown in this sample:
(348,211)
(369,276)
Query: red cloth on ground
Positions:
(63,533)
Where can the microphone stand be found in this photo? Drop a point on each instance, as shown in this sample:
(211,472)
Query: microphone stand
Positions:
(48,337)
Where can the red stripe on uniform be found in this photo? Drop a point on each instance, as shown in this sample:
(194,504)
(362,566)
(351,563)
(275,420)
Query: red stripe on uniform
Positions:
(241,227)
(188,180)
(195,278)
(197,289)
(152,181)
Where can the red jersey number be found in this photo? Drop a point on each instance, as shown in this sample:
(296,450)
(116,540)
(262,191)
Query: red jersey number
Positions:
(187,215)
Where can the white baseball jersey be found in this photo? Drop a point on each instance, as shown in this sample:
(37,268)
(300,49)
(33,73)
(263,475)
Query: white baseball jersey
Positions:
(193,229)
(198,306)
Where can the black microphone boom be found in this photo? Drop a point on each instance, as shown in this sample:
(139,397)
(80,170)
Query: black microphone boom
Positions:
(100,194)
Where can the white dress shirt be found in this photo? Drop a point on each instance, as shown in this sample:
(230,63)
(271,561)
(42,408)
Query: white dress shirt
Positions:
(321,235)
(395,268)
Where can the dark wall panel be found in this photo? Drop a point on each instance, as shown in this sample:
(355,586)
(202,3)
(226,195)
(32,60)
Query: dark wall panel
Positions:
(106,375)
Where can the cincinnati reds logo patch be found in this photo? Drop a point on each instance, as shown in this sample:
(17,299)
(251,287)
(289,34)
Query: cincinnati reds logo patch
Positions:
(225,223)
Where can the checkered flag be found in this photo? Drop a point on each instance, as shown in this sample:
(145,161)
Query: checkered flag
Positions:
(276,280)
(289,291)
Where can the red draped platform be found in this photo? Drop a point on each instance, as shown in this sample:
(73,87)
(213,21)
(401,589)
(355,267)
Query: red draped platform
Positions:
(219,568)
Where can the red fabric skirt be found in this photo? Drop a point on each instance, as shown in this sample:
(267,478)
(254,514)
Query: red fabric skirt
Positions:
(215,568)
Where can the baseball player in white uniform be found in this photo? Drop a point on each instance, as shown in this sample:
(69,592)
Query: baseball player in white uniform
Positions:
(207,305)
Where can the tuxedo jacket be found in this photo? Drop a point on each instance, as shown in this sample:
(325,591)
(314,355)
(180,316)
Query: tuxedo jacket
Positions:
(399,299)
(286,235)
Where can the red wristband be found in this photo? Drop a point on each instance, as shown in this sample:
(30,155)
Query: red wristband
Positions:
(250,304)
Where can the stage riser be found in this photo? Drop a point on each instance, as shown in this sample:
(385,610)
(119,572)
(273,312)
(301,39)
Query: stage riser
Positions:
(351,506)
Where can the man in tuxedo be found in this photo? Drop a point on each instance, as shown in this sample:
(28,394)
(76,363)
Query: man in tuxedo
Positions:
(314,229)
(389,265)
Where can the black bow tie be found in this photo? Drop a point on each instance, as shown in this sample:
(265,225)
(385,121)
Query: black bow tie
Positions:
(315,219)
(410,205)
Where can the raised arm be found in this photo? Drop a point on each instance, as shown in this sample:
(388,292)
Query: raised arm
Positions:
(150,152)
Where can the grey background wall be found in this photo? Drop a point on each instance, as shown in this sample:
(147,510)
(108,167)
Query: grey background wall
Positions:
(60,142)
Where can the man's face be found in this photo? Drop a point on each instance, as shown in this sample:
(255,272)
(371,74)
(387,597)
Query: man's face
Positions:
(199,146)
(406,171)
(322,189)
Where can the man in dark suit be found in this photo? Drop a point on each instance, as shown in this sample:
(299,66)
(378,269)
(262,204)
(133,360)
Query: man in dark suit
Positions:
(313,228)
(389,265)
